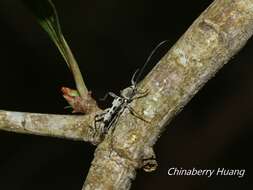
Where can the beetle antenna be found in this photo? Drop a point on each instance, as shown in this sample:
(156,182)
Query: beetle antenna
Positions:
(133,83)
(136,79)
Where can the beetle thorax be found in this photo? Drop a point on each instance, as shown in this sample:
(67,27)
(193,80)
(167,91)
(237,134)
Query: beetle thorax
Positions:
(128,92)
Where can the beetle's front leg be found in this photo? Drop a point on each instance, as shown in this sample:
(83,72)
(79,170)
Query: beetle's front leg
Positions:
(141,94)
(109,94)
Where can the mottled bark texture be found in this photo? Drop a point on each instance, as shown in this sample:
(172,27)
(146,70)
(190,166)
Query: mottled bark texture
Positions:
(63,126)
(218,34)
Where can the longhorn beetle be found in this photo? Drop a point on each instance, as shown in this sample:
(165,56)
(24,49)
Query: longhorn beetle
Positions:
(110,115)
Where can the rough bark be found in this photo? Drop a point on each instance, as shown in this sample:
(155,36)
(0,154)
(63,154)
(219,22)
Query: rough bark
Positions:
(63,126)
(218,34)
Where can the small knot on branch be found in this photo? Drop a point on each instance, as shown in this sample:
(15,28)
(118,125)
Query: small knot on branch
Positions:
(80,104)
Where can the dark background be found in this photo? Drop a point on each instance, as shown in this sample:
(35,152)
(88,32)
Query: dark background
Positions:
(110,40)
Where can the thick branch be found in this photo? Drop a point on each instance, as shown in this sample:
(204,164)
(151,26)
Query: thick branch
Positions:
(218,34)
(63,126)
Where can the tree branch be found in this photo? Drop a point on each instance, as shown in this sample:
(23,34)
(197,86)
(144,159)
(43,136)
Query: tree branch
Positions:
(218,34)
(63,126)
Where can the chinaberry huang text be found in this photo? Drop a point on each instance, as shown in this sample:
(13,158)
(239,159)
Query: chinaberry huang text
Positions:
(174,171)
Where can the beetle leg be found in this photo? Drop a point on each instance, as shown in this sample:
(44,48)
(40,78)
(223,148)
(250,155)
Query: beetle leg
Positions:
(141,94)
(134,113)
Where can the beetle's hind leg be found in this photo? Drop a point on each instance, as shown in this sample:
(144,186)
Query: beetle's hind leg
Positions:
(99,124)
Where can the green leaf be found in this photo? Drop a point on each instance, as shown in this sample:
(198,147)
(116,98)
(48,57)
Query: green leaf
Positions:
(46,15)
